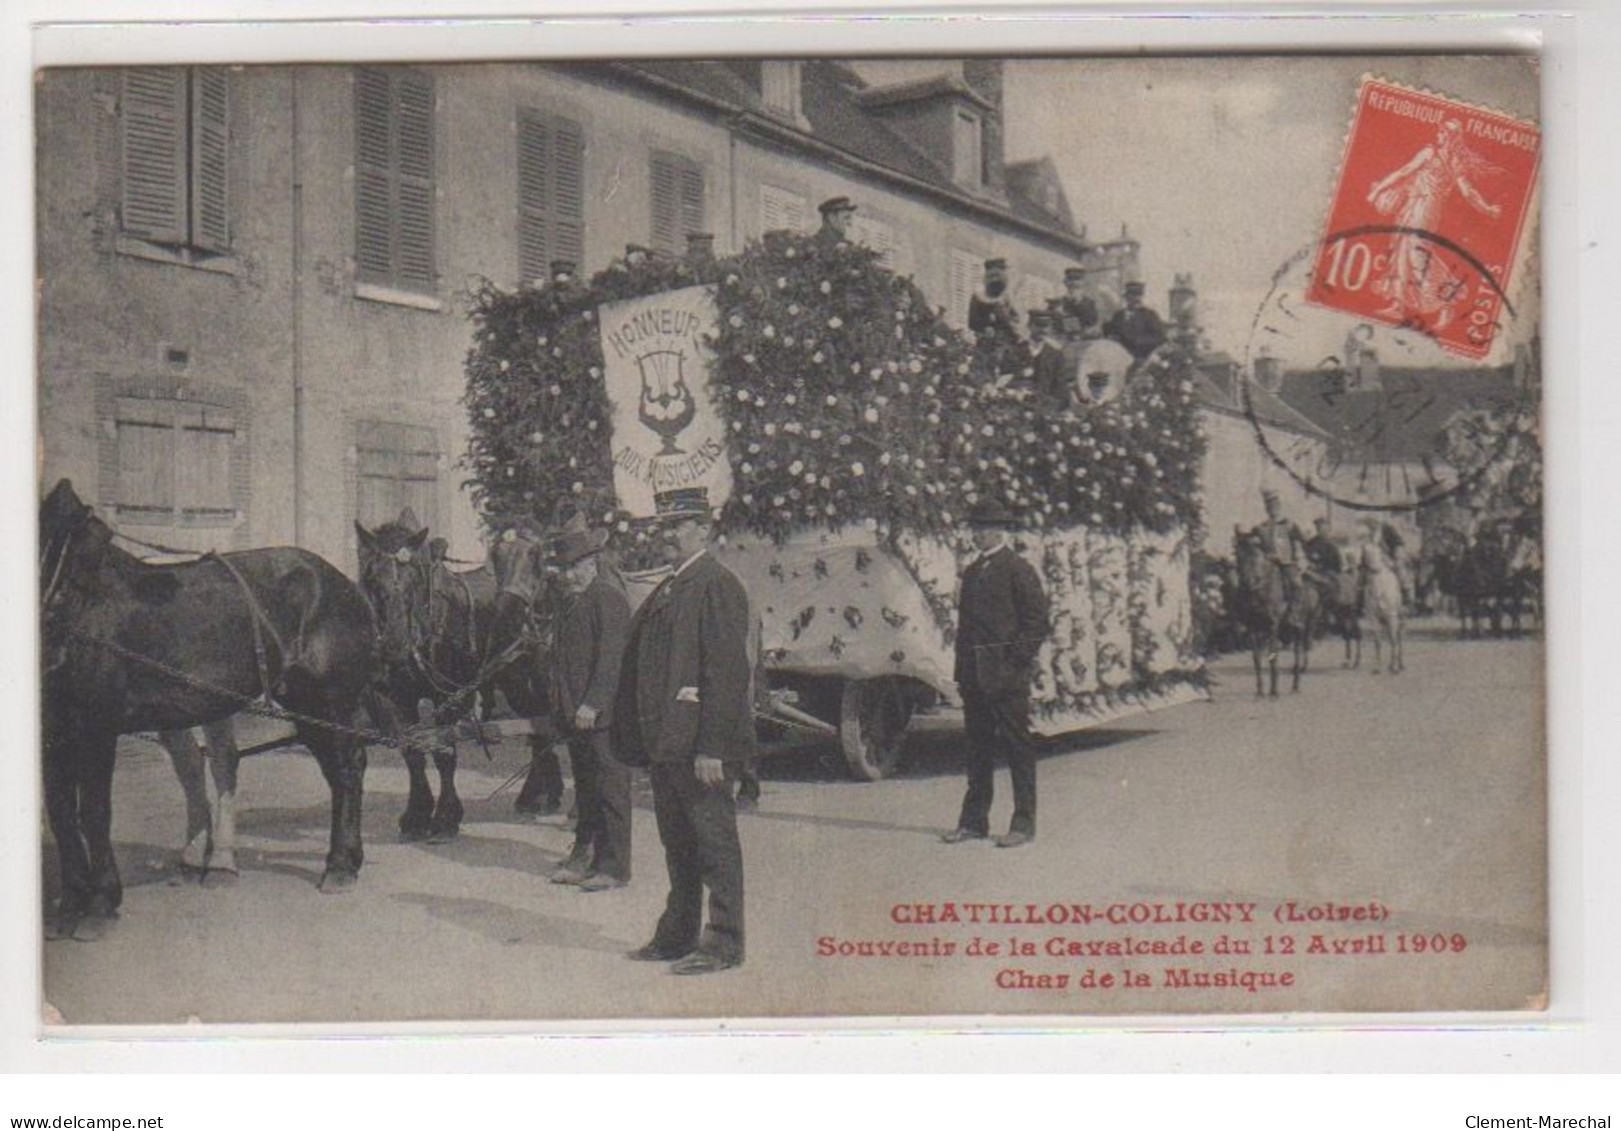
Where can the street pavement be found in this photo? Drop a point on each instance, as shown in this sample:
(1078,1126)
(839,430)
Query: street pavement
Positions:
(1420,796)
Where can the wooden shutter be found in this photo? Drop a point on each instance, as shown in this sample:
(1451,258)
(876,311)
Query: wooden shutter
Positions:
(153,114)
(397,465)
(145,431)
(692,199)
(781,209)
(203,441)
(414,184)
(210,147)
(374,241)
(551,193)
(961,285)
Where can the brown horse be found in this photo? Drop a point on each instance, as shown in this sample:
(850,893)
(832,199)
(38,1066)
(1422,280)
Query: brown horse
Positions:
(1269,616)
(129,647)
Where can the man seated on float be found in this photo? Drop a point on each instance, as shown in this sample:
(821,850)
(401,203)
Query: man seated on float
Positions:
(990,310)
(1283,543)
(1076,310)
(1135,326)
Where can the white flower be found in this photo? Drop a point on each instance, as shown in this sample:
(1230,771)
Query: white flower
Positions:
(746,467)
(793,308)
(870,523)
(556,390)
(770,429)
(987,430)
(505,365)
(736,320)
(594,371)
(810,478)
(748,359)
(826,288)
(915,365)
(835,322)
(759,402)
(883,459)
(796,467)
(489,414)
(857,469)
(877,374)
(904,388)
(541,341)
(832,400)
(787,339)
(870,415)
(557,351)
(818,358)
(782,283)
(791,253)
(815,433)
(790,400)
(934,418)
(777,500)
(731,280)
(537,437)
(769,332)
(743,395)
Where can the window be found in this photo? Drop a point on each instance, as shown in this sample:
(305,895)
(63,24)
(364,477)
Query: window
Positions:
(965,270)
(967,166)
(174,462)
(396,466)
(551,193)
(175,144)
(394,177)
(678,201)
(780,208)
(779,87)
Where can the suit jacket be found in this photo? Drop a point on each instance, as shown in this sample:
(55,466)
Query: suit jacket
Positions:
(1001,624)
(684,687)
(1077,316)
(1139,330)
(994,316)
(587,651)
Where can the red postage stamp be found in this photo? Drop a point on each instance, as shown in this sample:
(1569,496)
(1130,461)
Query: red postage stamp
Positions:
(1427,215)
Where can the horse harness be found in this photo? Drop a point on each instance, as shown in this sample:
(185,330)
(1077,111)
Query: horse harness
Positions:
(261,624)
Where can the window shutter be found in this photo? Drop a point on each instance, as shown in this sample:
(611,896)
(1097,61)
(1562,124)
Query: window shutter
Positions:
(666,234)
(781,209)
(692,200)
(414,184)
(374,256)
(154,156)
(203,463)
(210,145)
(145,431)
(961,285)
(568,213)
(534,223)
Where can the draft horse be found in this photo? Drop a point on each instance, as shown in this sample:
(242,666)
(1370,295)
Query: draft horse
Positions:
(1269,618)
(128,646)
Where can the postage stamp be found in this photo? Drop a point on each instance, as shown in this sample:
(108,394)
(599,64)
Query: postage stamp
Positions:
(1426,216)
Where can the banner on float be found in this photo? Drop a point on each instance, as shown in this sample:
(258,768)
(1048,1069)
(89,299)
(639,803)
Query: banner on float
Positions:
(667,432)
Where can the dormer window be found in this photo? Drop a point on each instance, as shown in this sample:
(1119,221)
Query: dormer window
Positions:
(780,87)
(968,166)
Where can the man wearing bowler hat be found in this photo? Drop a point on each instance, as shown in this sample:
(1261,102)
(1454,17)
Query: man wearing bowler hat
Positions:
(684,711)
(837,213)
(588,649)
(1001,623)
(1135,326)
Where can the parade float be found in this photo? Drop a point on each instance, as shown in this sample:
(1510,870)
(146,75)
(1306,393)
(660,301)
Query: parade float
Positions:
(844,429)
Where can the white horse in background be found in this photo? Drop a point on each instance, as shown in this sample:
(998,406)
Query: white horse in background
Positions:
(210,847)
(1382,598)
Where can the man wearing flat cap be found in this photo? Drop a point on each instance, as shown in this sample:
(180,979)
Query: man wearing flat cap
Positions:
(990,310)
(1135,326)
(837,213)
(588,647)
(1002,620)
(684,711)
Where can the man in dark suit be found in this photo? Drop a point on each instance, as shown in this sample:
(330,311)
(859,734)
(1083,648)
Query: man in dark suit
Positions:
(1001,623)
(1054,378)
(1077,312)
(684,711)
(588,648)
(837,214)
(1136,326)
(990,310)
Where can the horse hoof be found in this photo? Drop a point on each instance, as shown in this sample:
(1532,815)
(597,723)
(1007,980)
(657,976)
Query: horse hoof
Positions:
(217,878)
(337,883)
(93,928)
(59,927)
(413,834)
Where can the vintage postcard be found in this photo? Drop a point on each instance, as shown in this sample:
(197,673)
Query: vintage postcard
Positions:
(565,542)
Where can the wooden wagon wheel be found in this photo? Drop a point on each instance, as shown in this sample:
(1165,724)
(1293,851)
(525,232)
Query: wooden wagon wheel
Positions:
(873,714)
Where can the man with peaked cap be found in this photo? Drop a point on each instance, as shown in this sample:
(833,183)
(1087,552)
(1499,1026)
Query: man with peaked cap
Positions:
(1135,326)
(1284,544)
(588,647)
(990,309)
(1053,378)
(684,711)
(837,213)
(1002,620)
(1077,312)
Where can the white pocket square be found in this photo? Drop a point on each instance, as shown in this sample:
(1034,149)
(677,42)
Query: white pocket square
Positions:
(687,695)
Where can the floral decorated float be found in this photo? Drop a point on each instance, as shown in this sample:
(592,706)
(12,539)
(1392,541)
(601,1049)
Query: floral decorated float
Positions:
(844,427)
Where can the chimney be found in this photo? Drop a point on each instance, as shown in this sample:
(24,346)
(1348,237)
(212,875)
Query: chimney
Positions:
(985,77)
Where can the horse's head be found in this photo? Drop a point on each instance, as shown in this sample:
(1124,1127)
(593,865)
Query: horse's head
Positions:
(519,561)
(1250,560)
(394,570)
(73,544)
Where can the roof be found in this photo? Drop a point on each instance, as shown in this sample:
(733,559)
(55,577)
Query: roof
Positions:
(837,119)
(1026,182)
(1401,421)
(1265,406)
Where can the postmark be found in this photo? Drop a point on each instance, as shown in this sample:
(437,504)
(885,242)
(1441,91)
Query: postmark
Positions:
(1426,217)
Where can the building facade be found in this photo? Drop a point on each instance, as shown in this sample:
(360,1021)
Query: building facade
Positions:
(255,281)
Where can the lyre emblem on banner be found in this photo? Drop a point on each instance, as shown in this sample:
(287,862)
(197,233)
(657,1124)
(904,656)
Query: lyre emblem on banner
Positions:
(666,404)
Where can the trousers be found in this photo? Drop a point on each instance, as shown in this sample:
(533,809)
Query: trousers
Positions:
(998,724)
(698,828)
(602,795)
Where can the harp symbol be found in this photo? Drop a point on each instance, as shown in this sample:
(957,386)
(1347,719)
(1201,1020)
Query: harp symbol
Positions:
(666,405)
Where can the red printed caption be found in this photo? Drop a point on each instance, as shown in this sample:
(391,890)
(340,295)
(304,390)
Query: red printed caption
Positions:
(1150,946)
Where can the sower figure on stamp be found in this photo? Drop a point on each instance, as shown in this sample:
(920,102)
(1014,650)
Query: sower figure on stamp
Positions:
(1002,619)
(590,645)
(684,711)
